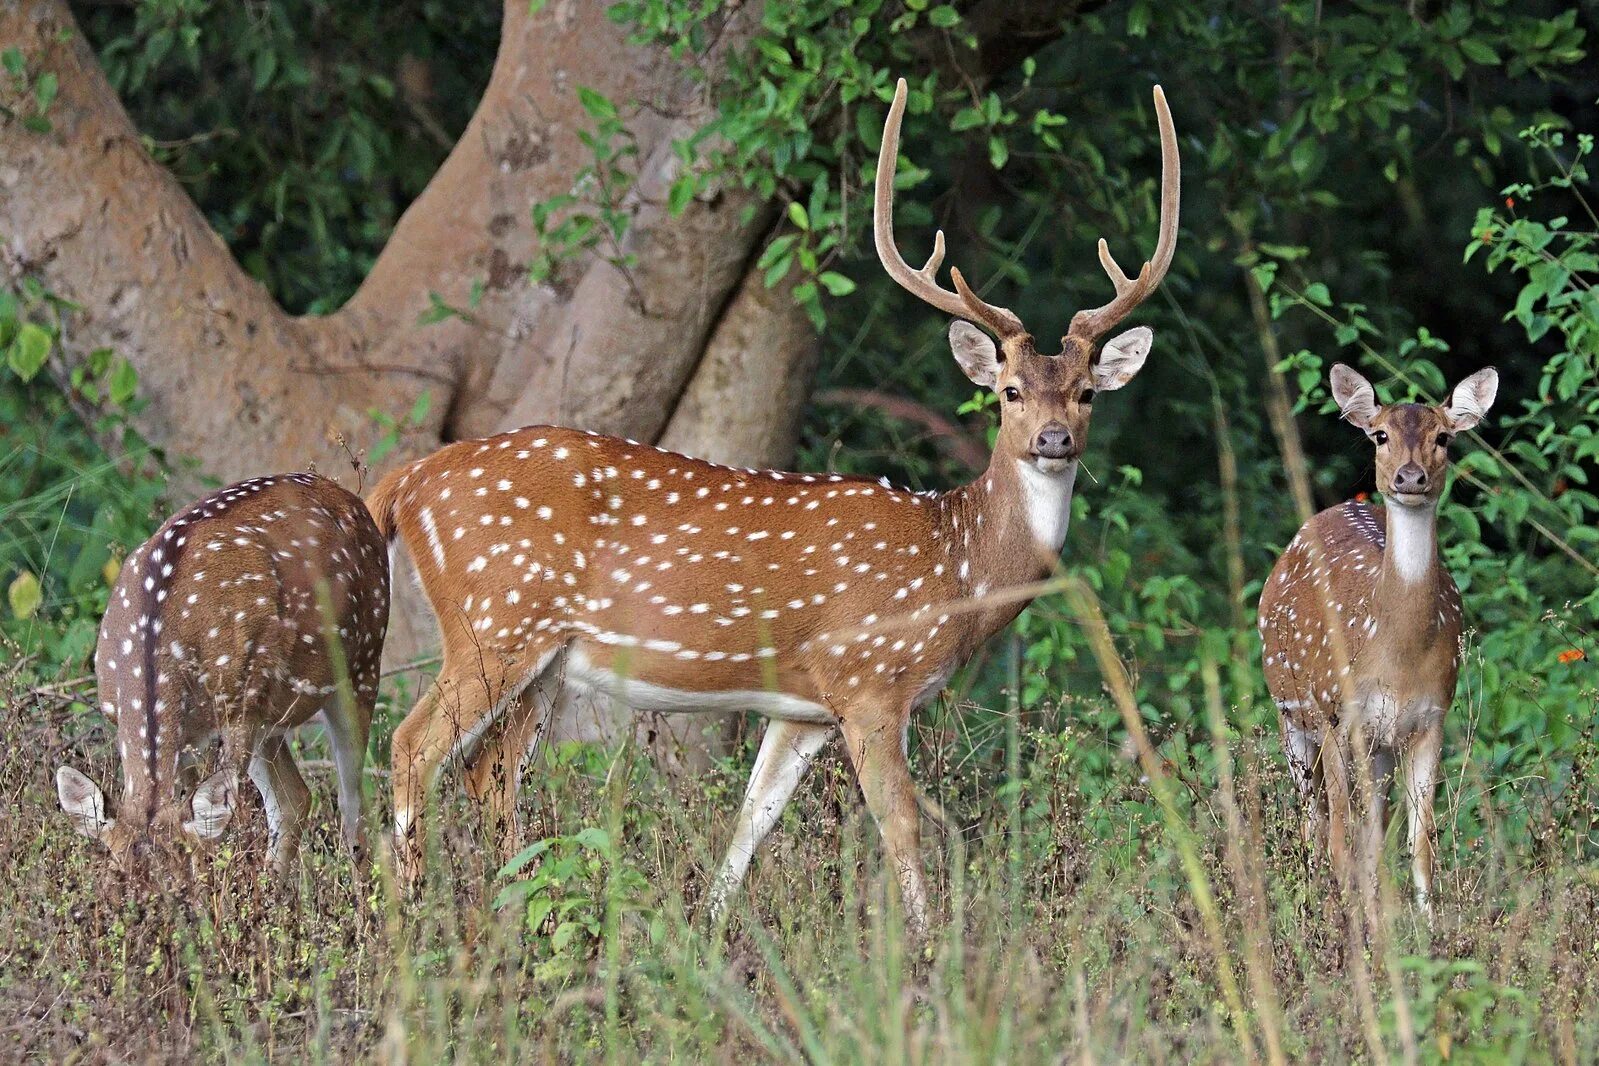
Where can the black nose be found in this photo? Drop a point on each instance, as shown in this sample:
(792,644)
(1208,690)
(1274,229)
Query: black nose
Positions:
(1054,441)
(1410,478)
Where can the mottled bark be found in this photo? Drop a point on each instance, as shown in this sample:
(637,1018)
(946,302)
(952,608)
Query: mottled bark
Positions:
(684,345)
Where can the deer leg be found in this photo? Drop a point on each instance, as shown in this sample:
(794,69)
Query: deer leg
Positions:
(284,795)
(786,753)
(349,726)
(448,722)
(876,745)
(494,776)
(239,743)
(1421,780)
(1303,749)
(1335,779)
(1374,770)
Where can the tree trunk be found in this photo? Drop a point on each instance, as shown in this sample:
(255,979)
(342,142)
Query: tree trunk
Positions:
(684,345)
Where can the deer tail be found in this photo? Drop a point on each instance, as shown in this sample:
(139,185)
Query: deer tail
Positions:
(383,499)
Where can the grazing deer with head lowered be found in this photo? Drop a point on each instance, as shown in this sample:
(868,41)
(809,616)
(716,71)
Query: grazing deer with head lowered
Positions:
(242,616)
(828,604)
(1361,626)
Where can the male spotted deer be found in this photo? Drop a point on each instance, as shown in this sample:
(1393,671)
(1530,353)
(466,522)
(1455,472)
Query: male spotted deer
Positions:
(825,603)
(1361,626)
(242,616)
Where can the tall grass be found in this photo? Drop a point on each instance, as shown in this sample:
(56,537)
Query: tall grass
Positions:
(1092,908)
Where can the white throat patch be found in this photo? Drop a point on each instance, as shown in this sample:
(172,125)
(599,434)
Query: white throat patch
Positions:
(1048,501)
(1412,540)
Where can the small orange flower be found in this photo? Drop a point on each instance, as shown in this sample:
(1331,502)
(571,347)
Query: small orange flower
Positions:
(1510,202)
(1571,655)
(1487,236)
(1362,497)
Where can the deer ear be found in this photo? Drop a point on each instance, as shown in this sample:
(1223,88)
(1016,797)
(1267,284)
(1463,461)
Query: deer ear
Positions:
(1121,357)
(83,800)
(1356,398)
(212,805)
(975,352)
(1471,399)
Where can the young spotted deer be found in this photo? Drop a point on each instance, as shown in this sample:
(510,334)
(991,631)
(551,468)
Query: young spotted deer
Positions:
(825,603)
(242,616)
(1361,626)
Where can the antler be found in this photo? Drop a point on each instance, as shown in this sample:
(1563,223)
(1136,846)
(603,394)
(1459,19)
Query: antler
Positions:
(1130,292)
(923,283)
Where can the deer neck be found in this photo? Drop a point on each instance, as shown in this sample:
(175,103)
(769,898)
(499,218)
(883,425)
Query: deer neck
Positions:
(1008,527)
(1407,587)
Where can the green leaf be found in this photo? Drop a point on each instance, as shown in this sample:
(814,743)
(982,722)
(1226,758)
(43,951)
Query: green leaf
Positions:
(538,909)
(29,350)
(595,103)
(1317,294)
(681,193)
(965,119)
(419,409)
(1479,51)
(266,65)
(124,383)
(777,250)
(564,934)
(44,90)
(798,215)
(25,595)
(1304,156)
(777,271)
(998,152)
(523,857)
(515,892)
(595,839)
(836,284)
(11,59)
(437,311)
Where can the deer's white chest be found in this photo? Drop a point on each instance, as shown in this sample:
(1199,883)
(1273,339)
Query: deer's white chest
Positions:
(1412,540)
(1047,502)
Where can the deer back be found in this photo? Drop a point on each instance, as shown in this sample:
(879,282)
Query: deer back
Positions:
(682,573)
(226,615)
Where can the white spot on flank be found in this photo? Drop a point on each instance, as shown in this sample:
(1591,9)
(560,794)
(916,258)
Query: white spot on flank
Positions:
(432,531)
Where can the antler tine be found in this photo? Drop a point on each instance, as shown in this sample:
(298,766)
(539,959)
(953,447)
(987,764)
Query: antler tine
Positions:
(923,283)
(930,268)
(1130,292)
(1118,277)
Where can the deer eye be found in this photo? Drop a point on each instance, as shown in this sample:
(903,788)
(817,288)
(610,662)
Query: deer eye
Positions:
(1380,437)
(1012,394)
(1444,439)
(1086,397)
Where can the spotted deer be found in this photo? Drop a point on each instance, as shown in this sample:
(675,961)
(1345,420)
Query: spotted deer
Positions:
(828,604)
(1361,626)
(243,616)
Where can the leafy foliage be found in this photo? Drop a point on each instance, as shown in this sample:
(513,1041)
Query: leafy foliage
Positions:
(67,513)
(1336,159)
(302,128)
